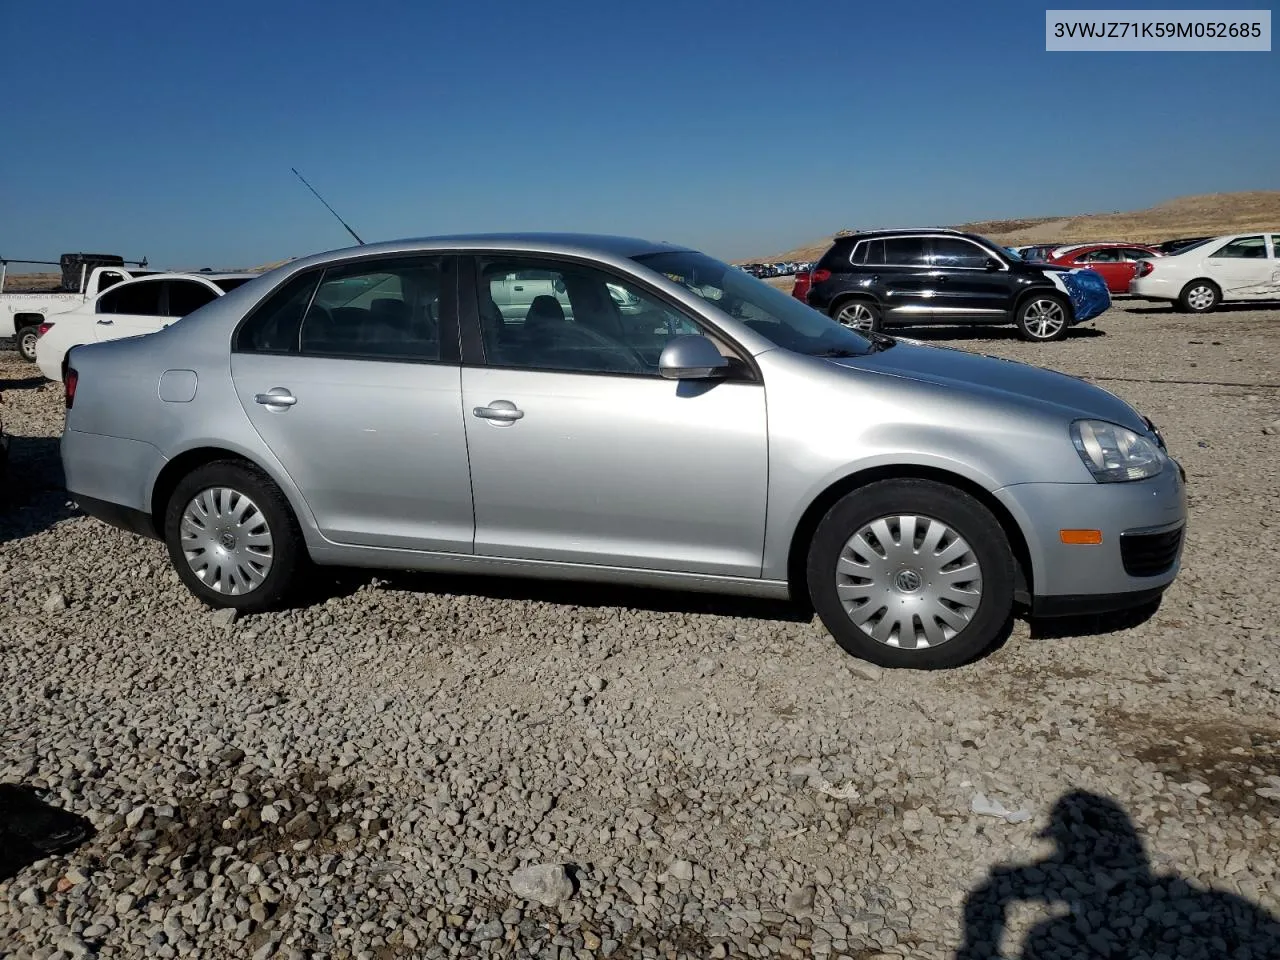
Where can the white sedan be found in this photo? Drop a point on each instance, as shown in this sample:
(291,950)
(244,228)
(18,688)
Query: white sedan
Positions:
(1241,267)
(129,309)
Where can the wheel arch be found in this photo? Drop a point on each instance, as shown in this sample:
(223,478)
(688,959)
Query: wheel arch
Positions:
(27,319)
(840,299)
(1194,280)
(179,466)
(1052,292)
(817,509)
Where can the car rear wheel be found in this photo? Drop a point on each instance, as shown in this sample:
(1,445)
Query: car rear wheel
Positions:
(27,338)
(857,315)
(1043,318)
(1199,296)
(232,537)
(911,573)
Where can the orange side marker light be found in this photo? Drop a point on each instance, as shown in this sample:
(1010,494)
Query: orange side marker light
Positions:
(1080,536)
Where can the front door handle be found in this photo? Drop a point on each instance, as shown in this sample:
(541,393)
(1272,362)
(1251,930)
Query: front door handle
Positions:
(276,397)
(106,322)
(502,411)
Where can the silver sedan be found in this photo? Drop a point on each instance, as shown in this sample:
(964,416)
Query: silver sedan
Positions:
(377,407)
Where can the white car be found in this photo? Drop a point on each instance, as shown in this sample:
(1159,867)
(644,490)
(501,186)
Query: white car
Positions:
(129,309)
(1245,266)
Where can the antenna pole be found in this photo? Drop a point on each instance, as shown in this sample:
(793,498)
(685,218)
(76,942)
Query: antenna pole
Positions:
(327,207)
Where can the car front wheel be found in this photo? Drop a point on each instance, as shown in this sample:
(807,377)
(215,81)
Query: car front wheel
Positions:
(1042,319)
(232,537)
(912,573)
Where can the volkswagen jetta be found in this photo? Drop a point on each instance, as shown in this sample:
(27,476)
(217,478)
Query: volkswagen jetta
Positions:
(376,407)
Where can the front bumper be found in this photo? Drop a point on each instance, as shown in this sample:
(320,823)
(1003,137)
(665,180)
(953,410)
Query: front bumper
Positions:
(1077,578)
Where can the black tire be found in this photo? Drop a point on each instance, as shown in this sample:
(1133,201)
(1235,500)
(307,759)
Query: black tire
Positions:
(1033,315)
(926,500)
(27,337)
(288,550)
(1199,296)
(858,314)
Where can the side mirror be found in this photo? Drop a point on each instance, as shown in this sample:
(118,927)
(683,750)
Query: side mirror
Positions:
(993,264)
(691,357)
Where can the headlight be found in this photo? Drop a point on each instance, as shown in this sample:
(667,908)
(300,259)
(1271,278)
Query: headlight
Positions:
(1113,453)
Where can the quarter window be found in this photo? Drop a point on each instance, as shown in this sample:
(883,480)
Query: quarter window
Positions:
(138,299)
(953,252)
(1246,248)
(554,316)
(274,326)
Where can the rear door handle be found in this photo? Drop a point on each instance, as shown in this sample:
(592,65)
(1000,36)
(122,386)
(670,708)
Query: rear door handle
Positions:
(106,322)
(501,411)
(276,397)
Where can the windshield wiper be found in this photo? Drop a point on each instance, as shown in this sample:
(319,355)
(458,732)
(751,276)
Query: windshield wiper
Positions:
(837,352)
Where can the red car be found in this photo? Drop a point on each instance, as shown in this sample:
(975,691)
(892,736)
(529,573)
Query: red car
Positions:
(1117,262)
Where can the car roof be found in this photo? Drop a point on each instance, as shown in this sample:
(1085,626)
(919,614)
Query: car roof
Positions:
(904,232)
(565,244)
(185,275)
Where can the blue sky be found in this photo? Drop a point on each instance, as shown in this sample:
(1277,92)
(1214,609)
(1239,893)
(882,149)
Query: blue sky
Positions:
(168,129)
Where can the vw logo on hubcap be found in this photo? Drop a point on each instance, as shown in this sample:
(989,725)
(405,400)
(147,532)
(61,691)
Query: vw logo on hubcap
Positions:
(907,581)
(228,541)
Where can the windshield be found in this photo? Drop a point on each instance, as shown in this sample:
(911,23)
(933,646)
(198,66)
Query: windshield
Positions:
(781,319)
(1191,246)
(1013,255)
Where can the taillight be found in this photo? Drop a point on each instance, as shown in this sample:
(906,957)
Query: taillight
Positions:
(69,381)
(819,276)
(43,328)
(801,289)
(1145,267)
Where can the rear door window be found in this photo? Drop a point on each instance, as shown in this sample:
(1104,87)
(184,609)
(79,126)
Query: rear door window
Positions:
(954,252)
(904,252)
(137,299)
(186,296)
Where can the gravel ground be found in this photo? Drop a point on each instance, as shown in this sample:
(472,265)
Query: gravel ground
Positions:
(425,766)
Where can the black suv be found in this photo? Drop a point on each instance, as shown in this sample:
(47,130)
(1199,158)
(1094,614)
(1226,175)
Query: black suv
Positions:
(891,278)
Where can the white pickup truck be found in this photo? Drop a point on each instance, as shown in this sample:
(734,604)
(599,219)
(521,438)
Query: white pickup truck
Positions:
(84,276)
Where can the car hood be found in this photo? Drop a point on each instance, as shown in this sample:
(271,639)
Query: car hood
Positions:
(1021,383)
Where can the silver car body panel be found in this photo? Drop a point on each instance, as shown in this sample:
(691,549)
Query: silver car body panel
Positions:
(623,478)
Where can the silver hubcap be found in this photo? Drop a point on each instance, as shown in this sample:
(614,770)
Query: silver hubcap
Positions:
(27,344)
(1200,298)
(226,541)
(909,582)
(856,316)
(1044,318)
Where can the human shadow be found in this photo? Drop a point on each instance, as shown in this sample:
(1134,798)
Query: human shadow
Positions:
(33,495)
(1115,905)
(31,829)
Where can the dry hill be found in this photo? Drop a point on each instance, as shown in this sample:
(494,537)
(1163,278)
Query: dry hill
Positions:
(1206,215)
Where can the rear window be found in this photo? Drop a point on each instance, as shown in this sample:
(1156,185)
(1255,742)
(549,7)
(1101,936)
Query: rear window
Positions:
(837,257)
(230,283)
